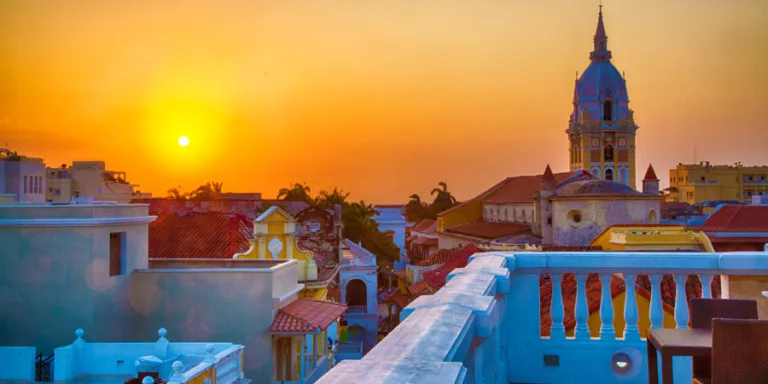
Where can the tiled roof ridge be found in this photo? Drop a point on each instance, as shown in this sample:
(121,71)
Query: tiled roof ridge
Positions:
(352,245)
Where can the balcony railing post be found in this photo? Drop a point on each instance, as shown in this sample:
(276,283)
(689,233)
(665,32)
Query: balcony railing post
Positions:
(630,308)
(582,308)
(706,286)
(606,308)
(681,301)
(557,331)
(657,311)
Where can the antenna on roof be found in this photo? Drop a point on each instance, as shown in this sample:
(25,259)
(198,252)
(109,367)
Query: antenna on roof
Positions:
(695,158)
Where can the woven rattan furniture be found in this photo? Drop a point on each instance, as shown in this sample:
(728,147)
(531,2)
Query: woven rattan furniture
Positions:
(674,342)
(739,352)
(702,313)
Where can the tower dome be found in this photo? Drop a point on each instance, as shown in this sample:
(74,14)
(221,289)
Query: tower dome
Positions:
(601,129)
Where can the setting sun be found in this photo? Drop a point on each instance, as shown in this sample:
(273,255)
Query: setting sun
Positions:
(183,141)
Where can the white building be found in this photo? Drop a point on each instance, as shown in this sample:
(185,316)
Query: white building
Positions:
(90,179)
(22,176)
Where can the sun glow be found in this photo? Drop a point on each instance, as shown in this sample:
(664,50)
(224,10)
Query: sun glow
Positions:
(183,141)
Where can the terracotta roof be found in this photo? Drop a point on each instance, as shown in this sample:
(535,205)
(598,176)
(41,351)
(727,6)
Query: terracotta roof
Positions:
(571,248)
(650,174)
(418,288)
(518,189)
(400,274)
(199,235)
(425,241)
(436,277)
(440,257)
(425,226)
(306,315)
(594,294)
(397,298)
(489,230)
(738,218)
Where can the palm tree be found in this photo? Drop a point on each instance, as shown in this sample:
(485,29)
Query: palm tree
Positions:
(175,194)
(415,210)
(217,187)
(207,191)
(442,193)
(297,192)
(328,200)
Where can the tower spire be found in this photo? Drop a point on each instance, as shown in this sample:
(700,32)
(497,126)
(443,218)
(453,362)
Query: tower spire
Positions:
(600,52)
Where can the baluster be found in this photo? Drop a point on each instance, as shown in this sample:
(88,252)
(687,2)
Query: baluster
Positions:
(681,302)
(657,311)
(630,308)
(557,331)
(607,332)
(706,286)
(582,308)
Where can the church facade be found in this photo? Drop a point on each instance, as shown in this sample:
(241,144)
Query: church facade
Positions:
(601,130)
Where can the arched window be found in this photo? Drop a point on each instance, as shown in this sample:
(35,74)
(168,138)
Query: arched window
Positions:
(506,215)
(595,172)
(607,111)
(652,217)
(523,213)
(623,176)
(608,152)
(609,174)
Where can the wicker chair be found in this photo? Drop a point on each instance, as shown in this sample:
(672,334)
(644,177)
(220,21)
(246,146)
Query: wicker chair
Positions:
(739,352)
(702,313)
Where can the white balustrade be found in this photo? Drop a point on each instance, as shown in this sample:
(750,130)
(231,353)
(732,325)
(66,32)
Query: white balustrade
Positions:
(557,312)
(630,308)
(606,308)
(582,307)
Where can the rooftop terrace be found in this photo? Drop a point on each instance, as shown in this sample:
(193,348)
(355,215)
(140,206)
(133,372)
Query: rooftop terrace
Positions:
(484,325)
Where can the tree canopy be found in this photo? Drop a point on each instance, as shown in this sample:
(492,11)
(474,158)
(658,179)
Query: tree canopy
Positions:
(417,210)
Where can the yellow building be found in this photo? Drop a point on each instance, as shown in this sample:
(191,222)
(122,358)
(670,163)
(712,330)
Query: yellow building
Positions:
(275,237)
(695,183)
(652,238)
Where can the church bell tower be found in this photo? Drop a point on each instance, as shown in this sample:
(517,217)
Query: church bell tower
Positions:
(601,130)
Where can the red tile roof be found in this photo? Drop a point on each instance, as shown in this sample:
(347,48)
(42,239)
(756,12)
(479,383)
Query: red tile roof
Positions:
(440,257)
(418,288)
(738,218)
(518,189)
(650,174)
(425,241)
(397,298)
(195,235)
(425,226)
(489,230)
(436,277)
(400,274)
(306,315)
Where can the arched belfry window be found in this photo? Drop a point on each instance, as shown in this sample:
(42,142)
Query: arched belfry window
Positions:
(607,111)
(608,153)
(609,174)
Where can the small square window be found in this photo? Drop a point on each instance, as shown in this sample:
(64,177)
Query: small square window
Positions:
(116,253)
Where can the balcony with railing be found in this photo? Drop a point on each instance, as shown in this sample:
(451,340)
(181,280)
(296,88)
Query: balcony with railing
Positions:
(86,362)
(485,325)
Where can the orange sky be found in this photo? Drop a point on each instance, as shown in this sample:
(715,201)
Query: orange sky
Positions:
(380,98)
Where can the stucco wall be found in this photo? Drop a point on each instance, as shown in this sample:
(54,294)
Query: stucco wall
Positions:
(13,175)
(210,306)
(54,280)
(17,363)
(596,216)
(749,287)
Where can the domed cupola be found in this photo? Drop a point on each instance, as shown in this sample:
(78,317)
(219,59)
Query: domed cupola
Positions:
(601,128)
